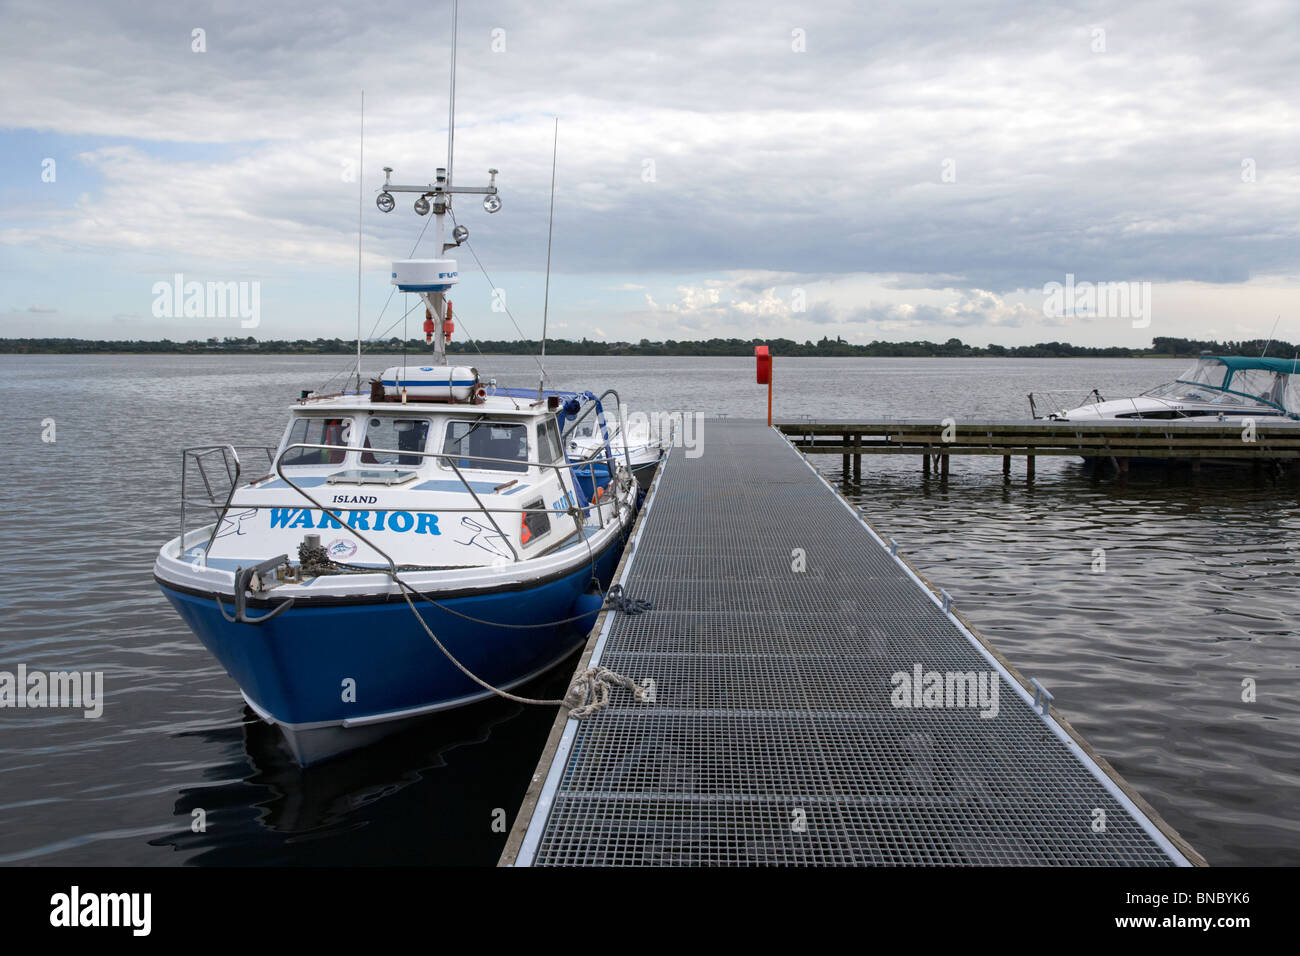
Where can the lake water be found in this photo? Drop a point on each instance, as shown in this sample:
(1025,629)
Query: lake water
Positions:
(1147,658)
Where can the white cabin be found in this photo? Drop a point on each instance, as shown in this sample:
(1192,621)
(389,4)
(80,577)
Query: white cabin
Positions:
(433,483)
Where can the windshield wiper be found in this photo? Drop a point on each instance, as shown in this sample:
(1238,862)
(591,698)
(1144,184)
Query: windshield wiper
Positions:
(473,428)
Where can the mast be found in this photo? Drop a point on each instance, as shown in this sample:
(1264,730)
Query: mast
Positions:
(437,302)
(360,201)
(451,99)
(436,197)
(546,300)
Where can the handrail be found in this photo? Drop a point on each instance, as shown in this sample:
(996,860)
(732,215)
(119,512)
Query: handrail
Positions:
(597,406)
(244,576)
(578,512)
(622,427)
(198,453)
(586,410)
(336,514)
(484,508)
(234,483)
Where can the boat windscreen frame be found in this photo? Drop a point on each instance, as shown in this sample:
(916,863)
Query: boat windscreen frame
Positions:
(1227,391)
(1254,399)
(1224,388)
(489,419)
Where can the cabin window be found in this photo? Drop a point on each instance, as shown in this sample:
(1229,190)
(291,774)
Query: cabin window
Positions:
(548,447)
(1208,371)
(317,431)
(1263,384)
(387,437)
(467,442)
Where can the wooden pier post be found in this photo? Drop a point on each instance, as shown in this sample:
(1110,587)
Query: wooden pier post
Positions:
(1107,449)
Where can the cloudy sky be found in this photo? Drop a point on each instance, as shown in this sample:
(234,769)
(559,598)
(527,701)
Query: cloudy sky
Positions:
(732,169)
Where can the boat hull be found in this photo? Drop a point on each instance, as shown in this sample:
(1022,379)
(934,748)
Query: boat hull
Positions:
(338,676)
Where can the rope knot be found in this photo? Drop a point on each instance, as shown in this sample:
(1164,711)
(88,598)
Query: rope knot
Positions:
(590,691)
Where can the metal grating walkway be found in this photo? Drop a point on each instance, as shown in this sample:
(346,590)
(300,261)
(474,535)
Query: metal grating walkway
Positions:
(772,738)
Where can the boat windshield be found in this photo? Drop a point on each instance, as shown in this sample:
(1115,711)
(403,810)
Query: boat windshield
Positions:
(1212,382)
(506,442)
(1184,392)
(387,437)
(314,430)
(1206,371)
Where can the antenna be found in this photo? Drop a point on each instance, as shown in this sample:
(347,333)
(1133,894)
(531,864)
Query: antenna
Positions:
(451,102)
(1270,335)
(546,299)
(360,206)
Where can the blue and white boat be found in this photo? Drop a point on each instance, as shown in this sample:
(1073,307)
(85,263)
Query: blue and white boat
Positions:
(468,506)
(400,537)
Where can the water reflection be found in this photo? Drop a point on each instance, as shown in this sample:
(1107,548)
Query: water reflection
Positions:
(459,768)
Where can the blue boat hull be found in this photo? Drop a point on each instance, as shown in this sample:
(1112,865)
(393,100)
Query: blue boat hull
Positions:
(373,663)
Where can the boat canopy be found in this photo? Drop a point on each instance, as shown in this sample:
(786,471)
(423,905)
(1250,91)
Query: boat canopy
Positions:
(1237,380)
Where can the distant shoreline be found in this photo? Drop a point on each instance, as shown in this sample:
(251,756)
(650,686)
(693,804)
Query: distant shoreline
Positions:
(551,352)
(1161,347)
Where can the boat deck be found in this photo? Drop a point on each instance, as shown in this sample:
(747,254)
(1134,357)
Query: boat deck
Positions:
(774,736)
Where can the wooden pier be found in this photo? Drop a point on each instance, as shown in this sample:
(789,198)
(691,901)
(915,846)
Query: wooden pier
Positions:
(783,633)
(1115,443)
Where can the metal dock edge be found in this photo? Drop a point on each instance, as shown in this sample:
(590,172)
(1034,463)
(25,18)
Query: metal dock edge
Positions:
(773,738)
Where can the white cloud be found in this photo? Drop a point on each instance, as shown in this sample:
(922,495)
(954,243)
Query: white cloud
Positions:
(771,167)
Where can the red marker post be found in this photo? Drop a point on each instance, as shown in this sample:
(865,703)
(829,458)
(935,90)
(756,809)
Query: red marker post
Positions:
(764,360)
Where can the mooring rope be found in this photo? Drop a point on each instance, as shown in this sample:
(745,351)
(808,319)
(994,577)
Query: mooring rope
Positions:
(590,690)
(588,694)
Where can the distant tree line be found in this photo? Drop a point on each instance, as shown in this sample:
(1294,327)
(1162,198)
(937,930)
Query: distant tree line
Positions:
(1161,346)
